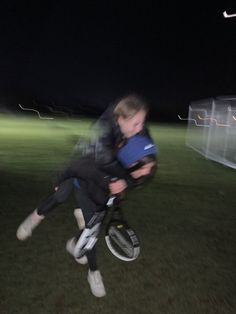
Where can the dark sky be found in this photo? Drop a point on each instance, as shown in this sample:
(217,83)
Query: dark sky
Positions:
(65,51)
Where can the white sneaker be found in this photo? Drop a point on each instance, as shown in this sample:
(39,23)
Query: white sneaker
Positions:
(26,228)
(96,283)
(80,218)
(70,247)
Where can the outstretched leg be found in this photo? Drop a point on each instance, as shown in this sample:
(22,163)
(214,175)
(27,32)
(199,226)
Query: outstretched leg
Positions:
(89,208)
(58,197)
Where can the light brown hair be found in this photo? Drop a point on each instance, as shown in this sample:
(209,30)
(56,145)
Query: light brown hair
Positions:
(129,105)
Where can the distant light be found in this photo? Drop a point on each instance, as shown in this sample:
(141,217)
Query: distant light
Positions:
(195,121)
(213,119)
(38,113)
(226,15)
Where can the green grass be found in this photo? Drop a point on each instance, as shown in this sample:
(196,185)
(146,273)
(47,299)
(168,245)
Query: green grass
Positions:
(185,219)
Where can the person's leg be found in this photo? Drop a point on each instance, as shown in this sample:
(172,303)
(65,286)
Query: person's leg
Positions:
(88,209)
(94,276)
(58,197)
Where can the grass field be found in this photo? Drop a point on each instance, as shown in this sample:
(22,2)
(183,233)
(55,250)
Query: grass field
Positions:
(185,220)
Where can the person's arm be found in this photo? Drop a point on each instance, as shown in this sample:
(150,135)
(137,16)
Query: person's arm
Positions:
(107,136)
(116,170)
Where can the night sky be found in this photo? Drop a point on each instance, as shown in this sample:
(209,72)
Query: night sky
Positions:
(91,52)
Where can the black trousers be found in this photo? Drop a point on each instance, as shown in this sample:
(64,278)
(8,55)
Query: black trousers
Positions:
(83,201)
(88,208)
(56,198)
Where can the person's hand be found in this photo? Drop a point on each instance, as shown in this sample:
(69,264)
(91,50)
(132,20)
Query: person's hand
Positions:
(117,186)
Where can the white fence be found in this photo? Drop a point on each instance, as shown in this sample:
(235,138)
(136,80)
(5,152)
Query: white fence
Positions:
(212,129)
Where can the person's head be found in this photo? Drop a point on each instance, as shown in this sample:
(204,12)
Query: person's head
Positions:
(130,114)
(138,156)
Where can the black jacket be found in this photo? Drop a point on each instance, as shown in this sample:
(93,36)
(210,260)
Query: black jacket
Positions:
(95,162)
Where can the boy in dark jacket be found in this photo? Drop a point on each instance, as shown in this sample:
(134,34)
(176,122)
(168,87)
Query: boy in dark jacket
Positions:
(98,159)
(92,195)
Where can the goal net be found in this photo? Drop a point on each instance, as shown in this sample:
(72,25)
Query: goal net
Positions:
(212,129)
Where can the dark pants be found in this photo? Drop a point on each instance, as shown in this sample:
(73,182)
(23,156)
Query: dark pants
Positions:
(56,198)
(88,208)
(83,201)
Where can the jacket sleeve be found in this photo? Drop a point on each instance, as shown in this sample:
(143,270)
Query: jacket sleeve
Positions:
(107,135)
(115,170)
